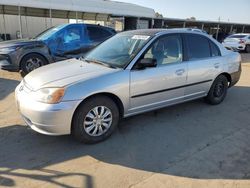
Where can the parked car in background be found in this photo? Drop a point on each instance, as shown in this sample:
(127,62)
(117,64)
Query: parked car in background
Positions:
(130,73)
(238,42)
(55,44)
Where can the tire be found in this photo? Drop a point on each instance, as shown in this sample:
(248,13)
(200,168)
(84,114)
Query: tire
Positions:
(248,48)
(31,62)
(84,125)
(218,90)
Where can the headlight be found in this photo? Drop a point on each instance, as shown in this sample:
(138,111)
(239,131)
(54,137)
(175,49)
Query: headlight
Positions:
(49,95)
(8,50)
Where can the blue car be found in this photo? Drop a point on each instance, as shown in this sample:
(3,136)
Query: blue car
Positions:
(55,44)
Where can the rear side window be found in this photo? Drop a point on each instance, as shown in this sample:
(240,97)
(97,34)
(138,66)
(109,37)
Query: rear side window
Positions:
(214,50)
(197,47)
(97,33)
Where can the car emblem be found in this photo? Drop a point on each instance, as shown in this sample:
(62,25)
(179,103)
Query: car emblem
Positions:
(21,88)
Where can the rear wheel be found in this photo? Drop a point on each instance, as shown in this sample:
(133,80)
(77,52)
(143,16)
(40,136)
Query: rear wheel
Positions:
(95,120)
(247,48)
(218,90)
(31,62)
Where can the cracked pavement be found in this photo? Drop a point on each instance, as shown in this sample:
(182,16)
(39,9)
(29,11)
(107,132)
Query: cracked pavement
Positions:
(188,145)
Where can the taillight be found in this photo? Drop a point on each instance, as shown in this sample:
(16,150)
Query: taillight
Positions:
(242,41)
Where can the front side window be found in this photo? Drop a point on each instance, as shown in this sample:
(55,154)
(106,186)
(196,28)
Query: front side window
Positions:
(72,34)
(119,50)
(166,50)
(197,47)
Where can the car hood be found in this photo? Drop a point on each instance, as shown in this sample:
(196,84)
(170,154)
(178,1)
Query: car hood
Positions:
(20,42)
(64,73)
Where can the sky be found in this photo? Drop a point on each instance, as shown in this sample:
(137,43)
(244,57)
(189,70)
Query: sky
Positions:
(228,10)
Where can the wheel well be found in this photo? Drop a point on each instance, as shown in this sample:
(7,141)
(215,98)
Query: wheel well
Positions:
(116,99)
(228,76)
(36,53)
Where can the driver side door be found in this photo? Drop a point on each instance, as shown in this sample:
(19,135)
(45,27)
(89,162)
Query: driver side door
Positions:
(155,87)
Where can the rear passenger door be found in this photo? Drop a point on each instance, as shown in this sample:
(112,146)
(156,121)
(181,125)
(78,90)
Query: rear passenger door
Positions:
(204,62)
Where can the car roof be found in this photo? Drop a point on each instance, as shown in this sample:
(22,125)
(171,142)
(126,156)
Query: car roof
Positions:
(154,32)
(88,25)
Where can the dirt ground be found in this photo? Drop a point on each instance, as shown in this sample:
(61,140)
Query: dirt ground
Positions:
(190,145)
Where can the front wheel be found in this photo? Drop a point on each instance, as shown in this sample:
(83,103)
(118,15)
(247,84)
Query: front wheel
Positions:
(95,120)
(31,62)
(218,90)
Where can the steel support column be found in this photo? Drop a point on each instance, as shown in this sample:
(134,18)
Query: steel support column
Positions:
(184,24)
(26,22)
(243,29)
(217,31)
(76,17)
(50,17)
(202,26)
(231,29)
(20,22)
(4,25)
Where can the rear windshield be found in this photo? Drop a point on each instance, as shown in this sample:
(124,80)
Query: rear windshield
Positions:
(237,36)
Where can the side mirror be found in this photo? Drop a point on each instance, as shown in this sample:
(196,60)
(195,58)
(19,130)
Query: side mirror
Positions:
(146,62)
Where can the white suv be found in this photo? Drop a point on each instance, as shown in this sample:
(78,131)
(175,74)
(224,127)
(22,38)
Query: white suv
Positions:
(238,42)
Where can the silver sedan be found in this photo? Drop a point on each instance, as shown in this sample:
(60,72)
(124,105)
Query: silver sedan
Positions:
(130,73)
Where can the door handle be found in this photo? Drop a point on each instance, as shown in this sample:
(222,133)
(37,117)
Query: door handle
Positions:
(216,65)
(179,72)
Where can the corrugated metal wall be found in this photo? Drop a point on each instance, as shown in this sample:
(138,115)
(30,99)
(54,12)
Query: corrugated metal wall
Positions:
(31,26)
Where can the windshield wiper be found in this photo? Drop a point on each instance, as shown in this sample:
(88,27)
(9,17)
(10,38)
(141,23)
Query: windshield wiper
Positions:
(100,63)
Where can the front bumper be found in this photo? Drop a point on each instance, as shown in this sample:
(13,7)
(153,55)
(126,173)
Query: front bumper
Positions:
(6,63)
(49,119)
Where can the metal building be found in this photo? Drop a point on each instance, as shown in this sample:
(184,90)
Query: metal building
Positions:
(26,18)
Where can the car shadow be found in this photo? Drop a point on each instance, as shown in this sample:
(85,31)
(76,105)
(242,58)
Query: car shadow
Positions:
(193,140)
(7,86)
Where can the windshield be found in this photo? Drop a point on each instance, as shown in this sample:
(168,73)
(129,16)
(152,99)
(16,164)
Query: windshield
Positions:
(48,33)
(237,36)
(119,50)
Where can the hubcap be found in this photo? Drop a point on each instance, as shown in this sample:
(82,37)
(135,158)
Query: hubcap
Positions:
(33,63)
(97,121)
(219,89)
